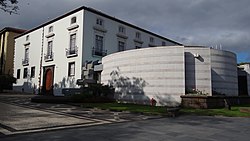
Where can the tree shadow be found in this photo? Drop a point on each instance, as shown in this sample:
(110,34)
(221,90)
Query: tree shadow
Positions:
(128,89)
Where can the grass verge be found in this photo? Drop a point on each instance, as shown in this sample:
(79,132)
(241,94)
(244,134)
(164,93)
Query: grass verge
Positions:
(236,111)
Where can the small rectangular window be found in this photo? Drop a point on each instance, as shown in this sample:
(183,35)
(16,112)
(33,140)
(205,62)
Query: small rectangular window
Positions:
(18,73)
(25,72)
(50,29)
(121,46)
(73,20)
(121,29)
(99,21)
(163,43)
(151,39)
(27,38)
(71,69)
(138,35)
(72,42)
(32,73)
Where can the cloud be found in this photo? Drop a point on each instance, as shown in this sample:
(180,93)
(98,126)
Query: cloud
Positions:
(191,22)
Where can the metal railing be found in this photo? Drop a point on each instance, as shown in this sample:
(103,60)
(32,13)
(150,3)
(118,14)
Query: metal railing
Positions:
(72,51)
(25,61)
(99,52)
(49,56)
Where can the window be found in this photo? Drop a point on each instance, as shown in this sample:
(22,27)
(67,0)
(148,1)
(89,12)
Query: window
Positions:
(49,49)
(72,43)
(151,39)
(163,43)
(99,21)
(99,42)
(121,46)
(73,20)
(32,73)
(18,73)
(121,29)
(138,35)
(25,72)
(27,38)
(71,70)
(26,53)
(50,29)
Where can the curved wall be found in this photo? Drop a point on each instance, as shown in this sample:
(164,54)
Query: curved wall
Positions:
(141,74)
(224,72)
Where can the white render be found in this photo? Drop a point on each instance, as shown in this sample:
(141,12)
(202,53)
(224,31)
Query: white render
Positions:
(85,29)
(143,74)
(165,73)
(211,70)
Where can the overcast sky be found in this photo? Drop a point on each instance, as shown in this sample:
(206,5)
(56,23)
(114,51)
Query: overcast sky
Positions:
(190,22)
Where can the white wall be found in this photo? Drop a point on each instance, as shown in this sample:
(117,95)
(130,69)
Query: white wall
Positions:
(35,46)
(142,74)
(198,70)
(110,36)
(224,72)
(60,40)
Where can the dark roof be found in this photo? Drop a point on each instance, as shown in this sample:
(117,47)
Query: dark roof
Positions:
(12,29)
(101,14)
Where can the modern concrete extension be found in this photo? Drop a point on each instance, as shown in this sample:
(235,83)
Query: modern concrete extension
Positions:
(165,73)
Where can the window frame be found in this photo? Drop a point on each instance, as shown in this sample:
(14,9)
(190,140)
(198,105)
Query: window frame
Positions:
(33,72)
(121,46)
(18,74)
(70,73)
(50,30)
(25,73)
(121,29)
(138,35)
(100,22)
(73,20)
(151,39)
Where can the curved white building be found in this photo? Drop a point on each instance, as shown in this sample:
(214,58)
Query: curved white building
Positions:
(165,73)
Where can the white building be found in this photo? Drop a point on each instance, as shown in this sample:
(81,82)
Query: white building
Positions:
(166,73)
(52,56)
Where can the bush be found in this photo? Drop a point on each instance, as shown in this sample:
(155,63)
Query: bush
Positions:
(95,93)
(6,82)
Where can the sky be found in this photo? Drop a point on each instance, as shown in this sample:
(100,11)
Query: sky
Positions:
(224,24)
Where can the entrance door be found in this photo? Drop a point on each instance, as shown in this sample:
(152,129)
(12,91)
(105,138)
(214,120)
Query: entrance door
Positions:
(48,78)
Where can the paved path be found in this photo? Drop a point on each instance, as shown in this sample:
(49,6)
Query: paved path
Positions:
(19,115)
(184,128)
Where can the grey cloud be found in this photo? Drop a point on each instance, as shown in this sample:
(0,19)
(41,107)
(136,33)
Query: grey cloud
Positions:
(191,22)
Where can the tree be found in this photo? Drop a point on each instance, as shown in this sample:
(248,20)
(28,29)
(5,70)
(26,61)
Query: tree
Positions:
(9,6)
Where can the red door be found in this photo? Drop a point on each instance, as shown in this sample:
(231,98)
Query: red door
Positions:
(49,81)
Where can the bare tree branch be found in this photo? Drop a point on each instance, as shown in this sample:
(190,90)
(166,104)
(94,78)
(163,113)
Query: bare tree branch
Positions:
(9,6)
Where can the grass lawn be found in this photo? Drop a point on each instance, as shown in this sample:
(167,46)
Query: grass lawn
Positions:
(236,111)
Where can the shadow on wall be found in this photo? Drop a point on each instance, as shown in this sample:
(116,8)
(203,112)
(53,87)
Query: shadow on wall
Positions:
(128,89)
(167,100)
(66,82)
(190,78)
(27,87)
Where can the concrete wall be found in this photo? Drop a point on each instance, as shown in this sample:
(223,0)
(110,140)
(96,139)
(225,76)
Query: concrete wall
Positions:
(224,72)
(198,69)
(142,74)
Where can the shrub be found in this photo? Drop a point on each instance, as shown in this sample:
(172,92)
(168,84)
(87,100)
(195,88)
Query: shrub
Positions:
(6,82)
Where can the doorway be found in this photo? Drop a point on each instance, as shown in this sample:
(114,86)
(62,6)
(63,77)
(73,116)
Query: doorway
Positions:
(48,78)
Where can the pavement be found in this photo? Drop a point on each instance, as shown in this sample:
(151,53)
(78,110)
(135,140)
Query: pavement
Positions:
(22,120)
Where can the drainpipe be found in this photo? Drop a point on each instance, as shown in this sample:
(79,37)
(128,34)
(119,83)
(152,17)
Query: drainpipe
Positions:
(2,54)
(40,67)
